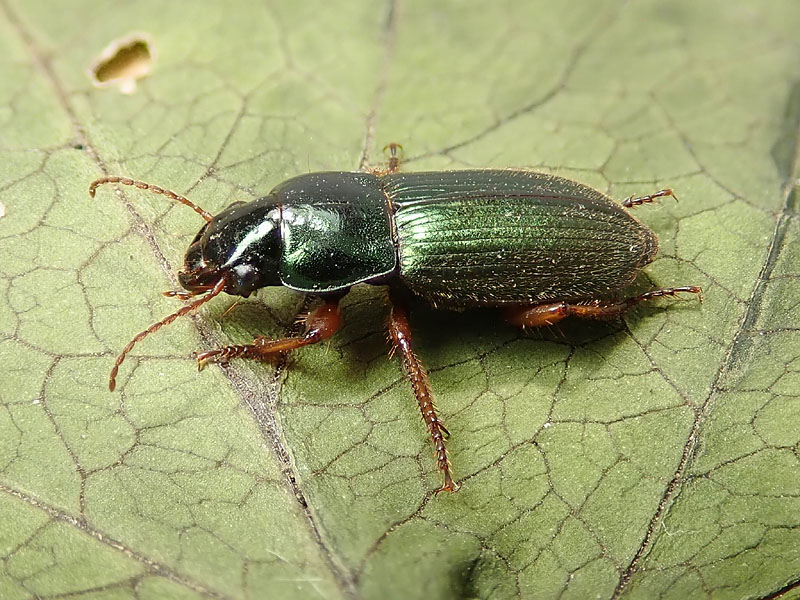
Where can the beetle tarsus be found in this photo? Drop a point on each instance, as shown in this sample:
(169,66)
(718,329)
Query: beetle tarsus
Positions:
(395,158)
(637,200)
(542,315)
(224,355)
(180,294)
(220,356)
(400,332)
(448,486)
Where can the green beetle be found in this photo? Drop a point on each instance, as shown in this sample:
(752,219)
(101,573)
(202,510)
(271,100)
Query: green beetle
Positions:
(540,246)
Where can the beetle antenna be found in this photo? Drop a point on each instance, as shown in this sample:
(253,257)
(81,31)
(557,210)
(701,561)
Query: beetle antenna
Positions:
(112,378)
(152,188)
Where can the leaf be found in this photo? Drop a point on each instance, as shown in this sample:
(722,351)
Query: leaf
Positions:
(656,457)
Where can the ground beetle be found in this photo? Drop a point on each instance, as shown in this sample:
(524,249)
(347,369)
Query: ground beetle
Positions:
(539,246)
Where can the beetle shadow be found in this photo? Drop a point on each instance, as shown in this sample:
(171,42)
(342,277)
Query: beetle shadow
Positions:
(244,320)
(444,336)
(440,335)
(437,329)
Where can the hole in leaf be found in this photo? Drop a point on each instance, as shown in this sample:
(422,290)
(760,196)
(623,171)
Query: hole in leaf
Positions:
(2,210)
(124,61)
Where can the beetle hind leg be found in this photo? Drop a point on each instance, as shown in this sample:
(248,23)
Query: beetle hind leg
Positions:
(637,200)
(321,324)
(541,315)
(400,334)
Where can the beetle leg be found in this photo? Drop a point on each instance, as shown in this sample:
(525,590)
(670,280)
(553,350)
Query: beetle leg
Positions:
(395,157)
(548,314)
(400,333)
(180,294)
(321,324)
(637,200)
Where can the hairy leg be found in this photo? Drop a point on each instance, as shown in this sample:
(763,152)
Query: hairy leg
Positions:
(321,324)
(553,312)
(400,332)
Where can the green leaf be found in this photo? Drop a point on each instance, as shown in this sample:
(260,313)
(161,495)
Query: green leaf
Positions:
(654,457)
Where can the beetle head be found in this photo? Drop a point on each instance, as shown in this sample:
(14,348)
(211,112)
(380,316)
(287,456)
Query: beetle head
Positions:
(238,251)
(241,245)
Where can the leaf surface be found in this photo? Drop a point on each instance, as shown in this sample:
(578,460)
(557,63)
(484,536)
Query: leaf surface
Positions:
(654,457)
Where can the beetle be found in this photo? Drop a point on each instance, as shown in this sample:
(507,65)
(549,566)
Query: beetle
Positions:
(539,246)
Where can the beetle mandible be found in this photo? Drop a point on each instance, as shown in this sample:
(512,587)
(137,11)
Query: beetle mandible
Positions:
(539,246)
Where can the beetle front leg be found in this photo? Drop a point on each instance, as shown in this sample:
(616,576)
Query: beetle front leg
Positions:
(400,333)
(551,313)
(321,324)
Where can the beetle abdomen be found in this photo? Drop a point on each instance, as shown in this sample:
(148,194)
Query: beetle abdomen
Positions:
(493,237)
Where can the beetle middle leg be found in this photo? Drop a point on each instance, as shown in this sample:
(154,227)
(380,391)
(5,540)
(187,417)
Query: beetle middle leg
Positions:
(321,324)
(540,315)
(400,333)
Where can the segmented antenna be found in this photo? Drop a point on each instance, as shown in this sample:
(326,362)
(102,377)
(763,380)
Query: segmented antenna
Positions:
(112,378)
(152,188)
